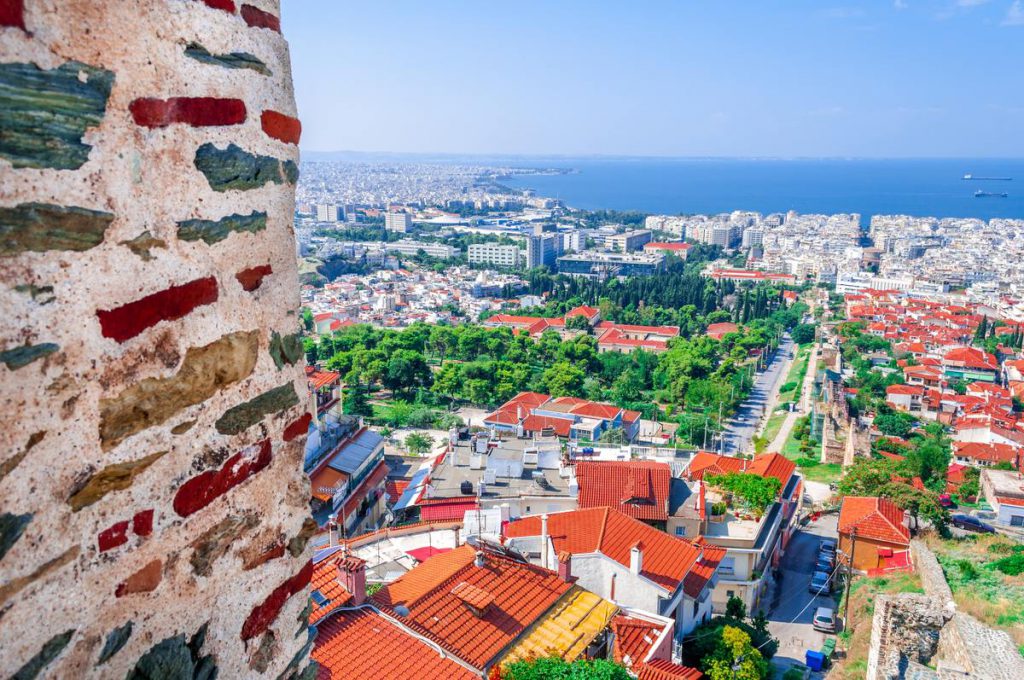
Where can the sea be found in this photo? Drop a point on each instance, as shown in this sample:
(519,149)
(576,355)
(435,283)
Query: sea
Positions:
(921,187)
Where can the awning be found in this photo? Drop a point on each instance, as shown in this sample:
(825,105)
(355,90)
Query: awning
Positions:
(413,492)
(446,511)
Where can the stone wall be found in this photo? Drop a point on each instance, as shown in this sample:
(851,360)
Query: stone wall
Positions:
(152,507)
(909,629)
(905,628)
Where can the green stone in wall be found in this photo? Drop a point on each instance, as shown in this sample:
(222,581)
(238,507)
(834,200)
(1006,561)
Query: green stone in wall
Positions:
(44,113)
(39,227)
(229,60)
(243,416)
(212,231)
(234,168)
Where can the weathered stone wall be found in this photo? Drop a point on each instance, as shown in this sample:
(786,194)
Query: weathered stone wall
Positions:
(905,628)
(932,579)
(152,507)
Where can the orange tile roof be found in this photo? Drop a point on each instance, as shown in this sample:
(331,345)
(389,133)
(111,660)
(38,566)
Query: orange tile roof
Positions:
(991,453)
(364,644)
(521,593)
(582,310)
(561,426)
(873,517)
(660,669)
(637,488)
(326,580)
(634,637)
(318,379)
(773,465)
(667,560)
(704,462)
(527,399)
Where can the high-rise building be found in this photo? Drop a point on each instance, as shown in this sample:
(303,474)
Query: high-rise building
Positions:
(542,248)
(397,221)
(628,241)
(327,212)
(351,216)
(753,237)
(493,253)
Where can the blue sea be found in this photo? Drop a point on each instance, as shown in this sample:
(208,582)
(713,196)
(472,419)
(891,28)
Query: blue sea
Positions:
(692,186)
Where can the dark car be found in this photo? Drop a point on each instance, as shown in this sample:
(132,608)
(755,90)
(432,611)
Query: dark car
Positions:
(972,524)
(821,583)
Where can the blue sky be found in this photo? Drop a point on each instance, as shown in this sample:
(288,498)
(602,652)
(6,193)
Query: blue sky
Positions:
(885,78)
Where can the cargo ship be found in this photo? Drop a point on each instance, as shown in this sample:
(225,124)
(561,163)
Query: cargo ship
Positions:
(987,179)
(990,194)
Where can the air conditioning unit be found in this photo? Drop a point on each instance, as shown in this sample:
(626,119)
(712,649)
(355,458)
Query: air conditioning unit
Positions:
(490,477)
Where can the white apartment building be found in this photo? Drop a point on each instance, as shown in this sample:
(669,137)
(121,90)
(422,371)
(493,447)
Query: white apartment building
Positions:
(627,242)
(493,253)
(397,221)
(327,212)
(409,247)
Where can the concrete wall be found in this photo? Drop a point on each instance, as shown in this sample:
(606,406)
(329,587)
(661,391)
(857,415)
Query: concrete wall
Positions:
(152,506)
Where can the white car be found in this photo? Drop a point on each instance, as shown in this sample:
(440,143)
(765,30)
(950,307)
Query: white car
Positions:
(824,620)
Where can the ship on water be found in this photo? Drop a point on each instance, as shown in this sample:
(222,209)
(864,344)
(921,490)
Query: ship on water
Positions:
(990,194)
(969,176)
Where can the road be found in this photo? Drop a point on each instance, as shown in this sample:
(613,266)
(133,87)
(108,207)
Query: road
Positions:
(802,405)
(740,430)
(793,606)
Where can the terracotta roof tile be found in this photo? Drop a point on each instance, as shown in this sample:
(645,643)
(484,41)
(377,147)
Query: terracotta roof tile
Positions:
(521,594)
(639,489)
(634,638)
(873,517)
(326,581)
(660,669)
(667,560)
(364,644)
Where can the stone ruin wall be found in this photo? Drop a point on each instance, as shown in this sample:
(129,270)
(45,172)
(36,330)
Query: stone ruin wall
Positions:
(910,631)
(152,507)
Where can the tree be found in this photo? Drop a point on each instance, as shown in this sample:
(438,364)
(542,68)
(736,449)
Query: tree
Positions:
(577,322)
(564,379)
(307,319)
(757,492)
(406,370)
(866,476)
(613,435)
(929,459)
(735,658)
(736,608)
(803,333)
(418,443)
(894,424)
(557,668)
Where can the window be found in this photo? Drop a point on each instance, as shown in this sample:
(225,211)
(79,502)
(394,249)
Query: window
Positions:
(527,509)
(727,566)
(680,531)
(730,594)
(1017,521)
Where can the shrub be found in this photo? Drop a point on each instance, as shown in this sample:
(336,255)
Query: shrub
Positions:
(788,387)
(718,508)
(793,674)
(967,569)
(1012,565)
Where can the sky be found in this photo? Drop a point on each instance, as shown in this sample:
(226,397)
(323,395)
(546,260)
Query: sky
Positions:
(771,78)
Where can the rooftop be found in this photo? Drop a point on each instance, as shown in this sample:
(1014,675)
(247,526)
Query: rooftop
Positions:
(873,517)
(507,470)
(425,599)
(344,642)
(667,560)
(640,489)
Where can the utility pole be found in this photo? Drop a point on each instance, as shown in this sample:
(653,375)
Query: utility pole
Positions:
(849,572)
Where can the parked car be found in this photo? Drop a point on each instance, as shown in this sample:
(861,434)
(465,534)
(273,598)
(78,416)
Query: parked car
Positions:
(828,545)
(824,564)
(824,620)
(946,501)
(972,524)
(821,583)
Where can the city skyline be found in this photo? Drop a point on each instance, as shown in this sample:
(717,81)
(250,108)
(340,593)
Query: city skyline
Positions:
(890,79)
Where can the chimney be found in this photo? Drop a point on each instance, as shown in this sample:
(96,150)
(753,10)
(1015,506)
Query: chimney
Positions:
(479,561)
(636,558)
(352,572)
(544,540)
(565,566)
